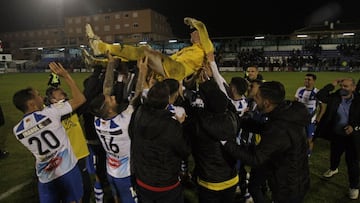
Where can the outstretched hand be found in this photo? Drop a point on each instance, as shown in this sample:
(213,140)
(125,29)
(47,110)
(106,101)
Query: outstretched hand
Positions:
(142,64)
(58,69)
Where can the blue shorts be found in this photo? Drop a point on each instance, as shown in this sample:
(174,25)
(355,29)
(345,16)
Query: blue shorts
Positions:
(90,162)
(310,130)
(66,188)
(122,188)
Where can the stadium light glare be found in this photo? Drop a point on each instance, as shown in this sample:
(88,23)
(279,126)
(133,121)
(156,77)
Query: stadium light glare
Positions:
(348,34)
(260,37)
(142,42)
(172,41)
(301,36)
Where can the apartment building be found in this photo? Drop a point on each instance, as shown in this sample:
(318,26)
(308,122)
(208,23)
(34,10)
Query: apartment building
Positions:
(128,27)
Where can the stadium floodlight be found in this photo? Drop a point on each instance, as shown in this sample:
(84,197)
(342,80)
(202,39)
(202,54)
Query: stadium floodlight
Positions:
(172,41)
(82,46)
(259,37)
(348,34)
(143,42)
(116,43)
(40,48)
(301,36)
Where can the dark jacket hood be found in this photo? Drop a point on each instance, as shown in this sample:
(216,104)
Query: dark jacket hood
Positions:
(150,124)
(291,111)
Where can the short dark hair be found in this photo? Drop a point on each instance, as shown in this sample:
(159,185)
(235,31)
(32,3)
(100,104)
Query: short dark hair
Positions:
(21,97)
(172,84)
(311,75)
(273,91)
(98,106)
(49,91)
(158,95)
(240,84)
(252,66)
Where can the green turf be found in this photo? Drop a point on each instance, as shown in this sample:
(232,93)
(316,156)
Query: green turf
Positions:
(19,166)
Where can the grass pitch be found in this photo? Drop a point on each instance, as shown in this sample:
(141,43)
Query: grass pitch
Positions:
(18,168)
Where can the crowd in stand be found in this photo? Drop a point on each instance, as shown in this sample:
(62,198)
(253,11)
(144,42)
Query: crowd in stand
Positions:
(310,58)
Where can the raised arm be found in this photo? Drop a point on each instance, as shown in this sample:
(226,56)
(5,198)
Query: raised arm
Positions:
(142,65)
(216,74)
(78,97)
(109,76)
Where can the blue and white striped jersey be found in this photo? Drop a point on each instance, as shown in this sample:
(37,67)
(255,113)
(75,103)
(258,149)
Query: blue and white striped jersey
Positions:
(42,133)
(114,136)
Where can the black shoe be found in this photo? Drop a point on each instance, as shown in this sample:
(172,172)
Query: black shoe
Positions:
(3,154)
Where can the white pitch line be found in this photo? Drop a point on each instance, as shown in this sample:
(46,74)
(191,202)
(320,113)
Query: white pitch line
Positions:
(14,189)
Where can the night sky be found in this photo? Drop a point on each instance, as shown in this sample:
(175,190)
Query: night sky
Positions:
(246,18)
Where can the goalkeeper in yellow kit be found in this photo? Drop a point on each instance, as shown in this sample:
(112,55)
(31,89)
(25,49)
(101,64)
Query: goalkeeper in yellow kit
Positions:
(178,66)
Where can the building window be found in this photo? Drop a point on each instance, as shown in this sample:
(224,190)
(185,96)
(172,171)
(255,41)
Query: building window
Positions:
(70,20)
(126,15)
(136,36)
(108,38)
(135,15)
(78,20)
(87,19)
(106,18)
(106,28)
(78,30)
(72,40)
(71,30)
(117,16)
(117,27)
(126,25)
(96,18)
(135,25)
(118,38)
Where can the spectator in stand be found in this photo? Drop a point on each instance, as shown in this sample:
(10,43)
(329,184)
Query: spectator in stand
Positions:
(252,73)
(42,133)
(341,125)
(307,96)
